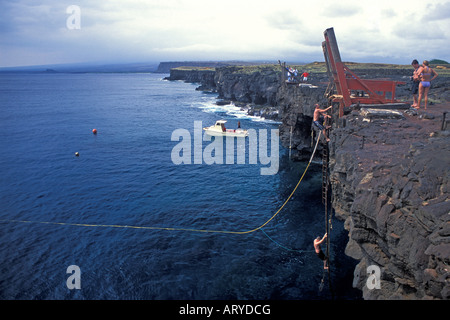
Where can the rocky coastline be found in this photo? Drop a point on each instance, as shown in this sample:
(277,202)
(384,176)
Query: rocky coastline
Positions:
(252,88)
(389,175)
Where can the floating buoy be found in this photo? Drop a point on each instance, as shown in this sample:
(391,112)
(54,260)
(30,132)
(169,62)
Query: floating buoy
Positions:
(77,154)
(94,131)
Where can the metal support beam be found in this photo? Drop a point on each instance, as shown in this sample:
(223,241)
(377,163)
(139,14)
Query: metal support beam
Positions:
(346,81)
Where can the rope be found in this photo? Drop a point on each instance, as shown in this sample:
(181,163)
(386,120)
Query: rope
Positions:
(281,246)
(178,229)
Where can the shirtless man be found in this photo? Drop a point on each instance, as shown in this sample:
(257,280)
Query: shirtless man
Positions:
(425,73)
(319,252)
(415,82)
(316,119)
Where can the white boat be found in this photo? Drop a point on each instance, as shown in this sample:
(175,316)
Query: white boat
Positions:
(218,129)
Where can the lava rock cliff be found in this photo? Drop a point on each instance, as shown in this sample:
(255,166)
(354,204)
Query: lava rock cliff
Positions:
(390,182)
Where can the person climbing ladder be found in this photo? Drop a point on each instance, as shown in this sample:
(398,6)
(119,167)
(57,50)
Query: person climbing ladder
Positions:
(320,119)
(319,252)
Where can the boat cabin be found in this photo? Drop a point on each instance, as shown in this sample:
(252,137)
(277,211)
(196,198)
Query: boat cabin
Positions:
(220,125)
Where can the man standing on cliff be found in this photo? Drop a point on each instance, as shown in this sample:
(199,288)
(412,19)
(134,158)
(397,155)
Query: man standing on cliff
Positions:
(415,82)
(320,114)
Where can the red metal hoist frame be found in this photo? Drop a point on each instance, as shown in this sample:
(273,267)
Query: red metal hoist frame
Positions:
(373,91)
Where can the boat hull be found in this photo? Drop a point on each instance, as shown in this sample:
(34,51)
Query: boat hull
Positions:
(228,133)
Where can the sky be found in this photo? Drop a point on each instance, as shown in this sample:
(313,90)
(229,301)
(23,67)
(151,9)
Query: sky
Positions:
(40,32)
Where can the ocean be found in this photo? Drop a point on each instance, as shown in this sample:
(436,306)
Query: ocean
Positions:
(125,176)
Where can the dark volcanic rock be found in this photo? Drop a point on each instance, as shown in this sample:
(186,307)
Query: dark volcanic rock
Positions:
(296,105)
(259,87)
(204,76)
(394,195)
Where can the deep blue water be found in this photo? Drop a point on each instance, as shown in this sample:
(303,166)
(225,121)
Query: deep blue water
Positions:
(124,175)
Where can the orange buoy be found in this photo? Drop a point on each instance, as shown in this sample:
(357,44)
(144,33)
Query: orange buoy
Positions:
(94,131)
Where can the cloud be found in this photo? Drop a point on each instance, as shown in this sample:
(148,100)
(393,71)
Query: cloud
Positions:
(34,32)
(388,13)
(341,10)
(424,26)
(284,20)
(413,29)
(438,11)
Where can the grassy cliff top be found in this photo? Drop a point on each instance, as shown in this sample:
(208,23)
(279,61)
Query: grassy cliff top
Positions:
(319,67)
(191,68)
